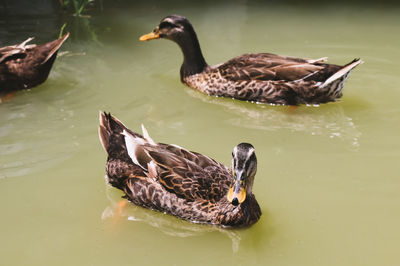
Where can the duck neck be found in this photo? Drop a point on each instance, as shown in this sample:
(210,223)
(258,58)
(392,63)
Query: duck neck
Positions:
(193,60)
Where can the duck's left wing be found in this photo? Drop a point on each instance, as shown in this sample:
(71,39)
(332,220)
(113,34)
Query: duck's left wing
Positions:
(266,66)
(188,174)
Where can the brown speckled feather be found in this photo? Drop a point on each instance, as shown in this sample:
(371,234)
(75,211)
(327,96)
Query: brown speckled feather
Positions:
(171,179)
(266,66)
(25,66)
(189,175)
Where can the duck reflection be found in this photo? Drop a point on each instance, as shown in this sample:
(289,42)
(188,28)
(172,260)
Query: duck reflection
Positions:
(328,120)
(165,223)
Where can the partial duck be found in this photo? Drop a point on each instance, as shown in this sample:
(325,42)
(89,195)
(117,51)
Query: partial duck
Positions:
(23,66)
(173,180)
(263,77)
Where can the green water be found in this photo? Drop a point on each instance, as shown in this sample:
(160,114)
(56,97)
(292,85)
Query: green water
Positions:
(328,177)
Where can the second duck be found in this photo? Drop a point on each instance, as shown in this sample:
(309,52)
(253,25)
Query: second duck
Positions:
(263,77)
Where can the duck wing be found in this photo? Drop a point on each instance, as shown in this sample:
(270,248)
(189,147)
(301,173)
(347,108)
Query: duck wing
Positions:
(18,50)
(191,175)
(187,174)
(265,66)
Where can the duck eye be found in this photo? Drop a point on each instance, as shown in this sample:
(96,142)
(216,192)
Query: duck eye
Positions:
(166,25)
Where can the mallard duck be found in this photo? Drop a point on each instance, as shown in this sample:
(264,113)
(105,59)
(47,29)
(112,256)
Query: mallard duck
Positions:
(173,180)
(25,66)
(263,77)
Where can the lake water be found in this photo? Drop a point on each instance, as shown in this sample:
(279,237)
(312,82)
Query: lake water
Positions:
(328,177)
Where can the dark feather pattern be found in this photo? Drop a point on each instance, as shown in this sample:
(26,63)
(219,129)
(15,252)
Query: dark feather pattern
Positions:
(263,77)
(174,180)
(25,66)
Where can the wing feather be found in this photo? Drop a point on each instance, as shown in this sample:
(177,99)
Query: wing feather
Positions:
(189,175)
(266,66)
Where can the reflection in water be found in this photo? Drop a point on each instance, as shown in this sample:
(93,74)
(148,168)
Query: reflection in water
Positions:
(81,29)
(326,120)
(22,19)
(165,223)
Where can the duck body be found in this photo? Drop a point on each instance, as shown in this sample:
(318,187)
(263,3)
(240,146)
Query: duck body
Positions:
(25,66)
(273,79)
(171,179)
(262,77)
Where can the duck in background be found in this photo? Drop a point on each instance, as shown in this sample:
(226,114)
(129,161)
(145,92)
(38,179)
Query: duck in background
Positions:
(263,77)
(23,66)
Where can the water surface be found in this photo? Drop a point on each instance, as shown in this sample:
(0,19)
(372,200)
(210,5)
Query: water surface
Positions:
(327,181)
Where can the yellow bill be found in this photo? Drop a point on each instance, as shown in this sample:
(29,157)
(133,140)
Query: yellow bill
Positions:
(237,191)
(150,36)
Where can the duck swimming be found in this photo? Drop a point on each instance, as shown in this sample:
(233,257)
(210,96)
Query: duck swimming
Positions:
(176,181)
(262,77)
(25,66)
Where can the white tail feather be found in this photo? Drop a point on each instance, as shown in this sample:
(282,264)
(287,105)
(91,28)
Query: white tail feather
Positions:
(22,44)
(132,144)
(147,136)
(341,72)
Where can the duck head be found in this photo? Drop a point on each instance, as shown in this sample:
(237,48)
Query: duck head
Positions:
(174,27)
(179,30)
(244,168)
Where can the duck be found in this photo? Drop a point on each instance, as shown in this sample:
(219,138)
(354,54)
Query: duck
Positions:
(255,77)
(173,180)
(23,66)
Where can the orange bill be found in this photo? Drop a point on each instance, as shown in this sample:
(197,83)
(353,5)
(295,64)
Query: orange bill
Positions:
(237,191)
(150,36)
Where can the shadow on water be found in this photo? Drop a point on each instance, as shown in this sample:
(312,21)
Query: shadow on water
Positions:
(168,224)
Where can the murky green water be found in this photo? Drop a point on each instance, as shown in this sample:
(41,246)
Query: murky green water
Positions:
(328,178)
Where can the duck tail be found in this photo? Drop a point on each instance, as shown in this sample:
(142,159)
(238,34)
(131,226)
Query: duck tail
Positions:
(121,143)
(343,71)
(54,46)
(111,135)
(118,141)
(104,129)
(110,127)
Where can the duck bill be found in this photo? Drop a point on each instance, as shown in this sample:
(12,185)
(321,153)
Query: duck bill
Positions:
(150,36)
(237,192)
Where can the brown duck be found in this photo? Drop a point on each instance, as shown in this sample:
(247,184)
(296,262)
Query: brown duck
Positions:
(179,182)
(25,66)
(264,77)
